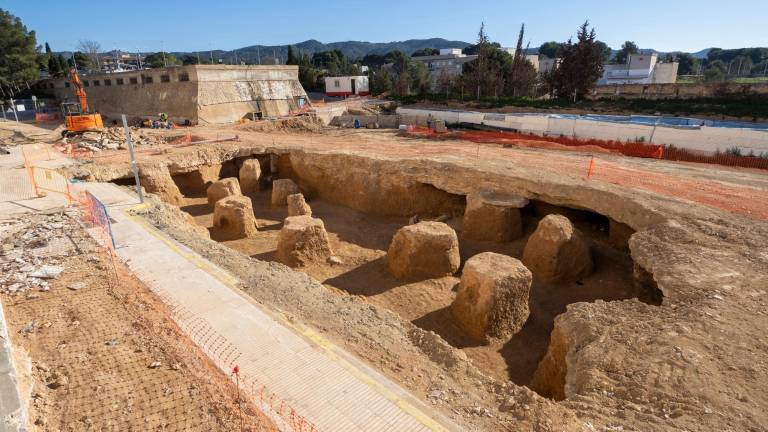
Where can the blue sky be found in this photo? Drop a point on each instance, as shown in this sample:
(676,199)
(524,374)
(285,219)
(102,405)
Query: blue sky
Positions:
(227,24)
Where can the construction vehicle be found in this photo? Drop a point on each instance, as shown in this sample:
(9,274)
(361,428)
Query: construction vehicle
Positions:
(78,117)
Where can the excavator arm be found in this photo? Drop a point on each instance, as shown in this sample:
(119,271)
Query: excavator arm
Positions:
(82,120)
(79,90)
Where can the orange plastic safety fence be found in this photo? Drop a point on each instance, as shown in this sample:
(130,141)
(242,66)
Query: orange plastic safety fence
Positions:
(224,353)
(634,149)
(95,217)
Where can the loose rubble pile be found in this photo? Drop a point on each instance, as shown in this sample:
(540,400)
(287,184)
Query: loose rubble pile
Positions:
(32,251)
(16,138)
(113,138)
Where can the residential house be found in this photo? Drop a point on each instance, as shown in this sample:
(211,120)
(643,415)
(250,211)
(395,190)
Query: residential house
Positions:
(640,69)
(343,86)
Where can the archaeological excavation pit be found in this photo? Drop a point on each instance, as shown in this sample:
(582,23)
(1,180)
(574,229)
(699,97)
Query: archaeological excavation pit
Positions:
(361,218)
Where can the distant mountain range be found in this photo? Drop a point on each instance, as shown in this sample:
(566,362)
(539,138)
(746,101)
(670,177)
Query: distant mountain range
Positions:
(352,49)
(355,49)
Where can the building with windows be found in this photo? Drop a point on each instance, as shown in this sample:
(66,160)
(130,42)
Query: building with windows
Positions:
(640,69)
(194,94)
(345,86)
(446,65)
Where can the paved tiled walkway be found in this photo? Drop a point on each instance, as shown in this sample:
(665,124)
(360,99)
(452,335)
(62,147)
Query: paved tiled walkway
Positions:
(329,387)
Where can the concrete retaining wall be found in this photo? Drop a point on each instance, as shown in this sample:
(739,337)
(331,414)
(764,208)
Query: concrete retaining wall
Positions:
(385,121)
(705,139)
(682,91)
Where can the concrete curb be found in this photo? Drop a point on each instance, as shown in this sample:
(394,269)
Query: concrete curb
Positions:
(13,411)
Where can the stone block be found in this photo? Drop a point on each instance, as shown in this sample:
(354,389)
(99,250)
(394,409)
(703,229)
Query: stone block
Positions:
(281,188)
(250,174)
(297,206)
(233,218)
(222,189)
(303,240)
(492,302)
(492,217)
(557,251)
(423,251)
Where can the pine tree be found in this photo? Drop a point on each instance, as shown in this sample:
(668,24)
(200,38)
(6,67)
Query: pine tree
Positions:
(581,65)
(18,51)
(292,59)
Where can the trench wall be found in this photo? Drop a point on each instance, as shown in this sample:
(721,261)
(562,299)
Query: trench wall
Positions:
(704,139)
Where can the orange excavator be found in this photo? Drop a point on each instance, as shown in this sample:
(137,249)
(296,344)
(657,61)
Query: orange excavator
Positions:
(78,117)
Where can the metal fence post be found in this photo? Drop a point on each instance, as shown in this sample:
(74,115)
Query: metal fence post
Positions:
(134,166)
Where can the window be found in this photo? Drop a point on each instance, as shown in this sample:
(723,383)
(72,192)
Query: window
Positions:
(107,82)
(337,83)
(165,78)
(146,79)
(120,81)
(86,83)
(96,83)
(183,77)
(134,80)
(66,85)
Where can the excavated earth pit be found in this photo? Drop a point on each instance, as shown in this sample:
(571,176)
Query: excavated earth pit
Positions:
(360,241)
(668,332)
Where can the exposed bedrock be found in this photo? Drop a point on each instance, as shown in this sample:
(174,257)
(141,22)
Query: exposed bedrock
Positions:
(491,216)
(233,218)
(423,251)
(492,302)
(557,251)
(221,189)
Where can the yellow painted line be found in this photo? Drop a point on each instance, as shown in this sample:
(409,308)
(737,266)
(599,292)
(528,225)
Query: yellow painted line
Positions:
(328,347)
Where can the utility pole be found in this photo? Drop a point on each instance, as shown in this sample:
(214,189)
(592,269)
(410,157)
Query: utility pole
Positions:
(134,167)
(258,54)
(198,57)
(162,50)
(13,107)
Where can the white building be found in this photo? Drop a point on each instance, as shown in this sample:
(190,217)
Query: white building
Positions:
(640,69)
(533,58)
(343,86)
(448,64)
(547,65)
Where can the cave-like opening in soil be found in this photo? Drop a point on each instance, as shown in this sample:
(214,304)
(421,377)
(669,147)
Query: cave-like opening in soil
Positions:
(360,240)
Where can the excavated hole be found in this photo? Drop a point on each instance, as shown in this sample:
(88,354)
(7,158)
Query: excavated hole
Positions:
(361,239)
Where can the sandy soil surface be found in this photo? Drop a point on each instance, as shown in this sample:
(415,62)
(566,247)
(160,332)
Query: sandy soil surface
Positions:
(98,351)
